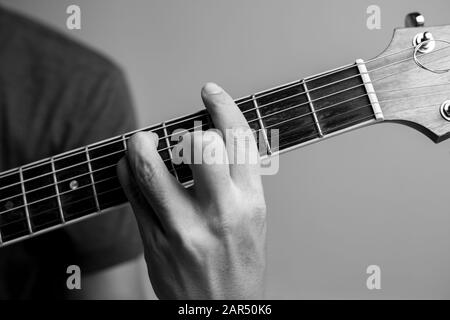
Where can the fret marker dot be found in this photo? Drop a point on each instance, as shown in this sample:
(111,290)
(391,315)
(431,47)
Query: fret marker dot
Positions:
(74,184)
(9,205)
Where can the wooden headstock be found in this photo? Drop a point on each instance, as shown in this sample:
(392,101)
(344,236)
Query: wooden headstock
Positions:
(408,93)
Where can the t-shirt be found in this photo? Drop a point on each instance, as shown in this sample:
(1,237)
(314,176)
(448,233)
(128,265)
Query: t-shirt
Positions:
(56,95)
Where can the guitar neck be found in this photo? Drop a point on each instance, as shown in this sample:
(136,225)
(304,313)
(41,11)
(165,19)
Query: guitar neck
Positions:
(81,183)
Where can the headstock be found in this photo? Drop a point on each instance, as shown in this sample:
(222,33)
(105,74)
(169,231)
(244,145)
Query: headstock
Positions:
(409,93)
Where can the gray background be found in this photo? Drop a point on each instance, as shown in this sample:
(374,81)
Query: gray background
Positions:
(378,195)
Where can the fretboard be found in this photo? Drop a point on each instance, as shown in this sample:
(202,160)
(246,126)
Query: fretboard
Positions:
(68,187)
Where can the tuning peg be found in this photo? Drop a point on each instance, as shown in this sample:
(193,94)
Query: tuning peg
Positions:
(445,110)
(414,20)
(425,41)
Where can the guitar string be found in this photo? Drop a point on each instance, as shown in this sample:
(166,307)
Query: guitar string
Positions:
(201,126)
(313,78)
(93,184)
(184,130)
(170,147)
(357,121)
(75,153)
(297,83)
(118,188)
(271,114)
(123,150)
(163,149)
(45,225)
(273,125)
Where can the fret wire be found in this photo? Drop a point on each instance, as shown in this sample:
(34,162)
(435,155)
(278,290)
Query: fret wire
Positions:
(311,107)
(268,115)
(1,236)
(124,141)
(97,145)
(365,120)
(65,192)
(70,203)
(276,124)
(109,178)
(80,175)
(25,202)
(344,126)
(69,167)
(58,198)
(62,193)
(300,116)
(94,188)
(268,92)
(166,134)
(314,77)
(328,73)
(315,100)
(68,179)
(257,130)
(110,140)
(271,114)
(261,124)
(391,99)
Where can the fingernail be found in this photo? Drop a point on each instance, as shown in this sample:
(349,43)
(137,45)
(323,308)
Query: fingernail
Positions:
(212,88)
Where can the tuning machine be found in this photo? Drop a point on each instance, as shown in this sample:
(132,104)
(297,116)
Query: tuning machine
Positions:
(424,39)
(445,110)
(414,20)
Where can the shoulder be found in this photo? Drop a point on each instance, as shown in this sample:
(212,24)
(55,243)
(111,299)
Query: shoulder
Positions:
(69,85)
(52,50)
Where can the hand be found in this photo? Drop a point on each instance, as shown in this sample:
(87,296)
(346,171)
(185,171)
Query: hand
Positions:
(206,242)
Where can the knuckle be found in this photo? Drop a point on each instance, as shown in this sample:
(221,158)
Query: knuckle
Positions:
(193,240)
(257,211)
(147,172)
(248,214)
